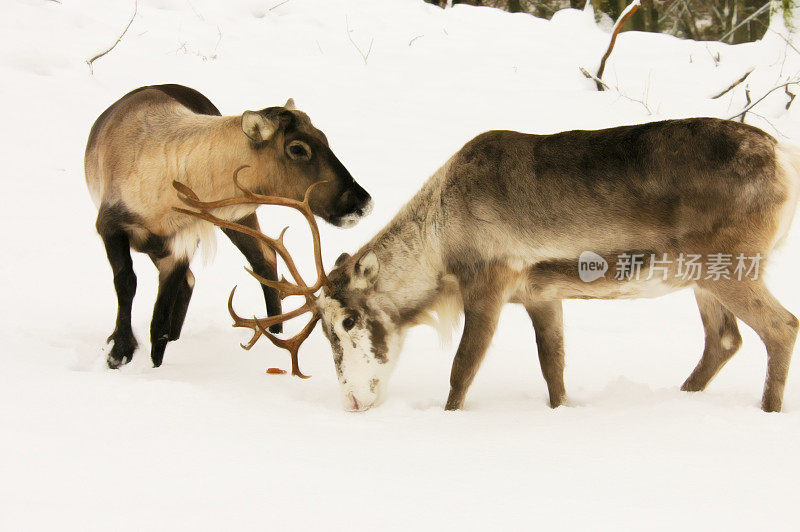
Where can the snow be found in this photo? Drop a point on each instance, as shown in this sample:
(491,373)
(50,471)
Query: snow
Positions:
(209,441)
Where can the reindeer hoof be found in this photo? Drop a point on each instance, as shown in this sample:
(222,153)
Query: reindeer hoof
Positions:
(121,352)
(276,329)
(555,402)
(691,386)
(454,403)
(114,362)
(771,405)
(157,350)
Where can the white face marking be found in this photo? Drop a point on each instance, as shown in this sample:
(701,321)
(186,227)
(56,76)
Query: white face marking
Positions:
(349,220)
(363,369)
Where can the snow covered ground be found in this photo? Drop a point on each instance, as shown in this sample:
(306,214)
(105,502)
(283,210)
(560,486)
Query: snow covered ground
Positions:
(209,441)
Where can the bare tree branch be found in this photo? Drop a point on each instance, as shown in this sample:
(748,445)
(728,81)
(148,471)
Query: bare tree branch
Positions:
(279,4)
(751,105)
(791,96)
(605,85)
(364,56)
(747,96)
(745,21)
(732,86)
(624,16)
(91,61)
(773,126)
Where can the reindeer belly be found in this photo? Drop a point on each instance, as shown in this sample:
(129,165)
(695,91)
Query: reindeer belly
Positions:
(552,280)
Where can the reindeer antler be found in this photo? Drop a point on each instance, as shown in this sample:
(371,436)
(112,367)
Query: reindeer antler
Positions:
(285,288)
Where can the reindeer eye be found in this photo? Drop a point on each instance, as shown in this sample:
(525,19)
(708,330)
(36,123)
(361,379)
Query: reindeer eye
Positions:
(348,323)
(298,150)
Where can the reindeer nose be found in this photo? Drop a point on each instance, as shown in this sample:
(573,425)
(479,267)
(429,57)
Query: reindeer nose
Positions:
(355,200)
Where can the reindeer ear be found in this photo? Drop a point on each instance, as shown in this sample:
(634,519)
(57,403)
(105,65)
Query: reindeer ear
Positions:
(289,105)
(343,257)
(258,127)
(366,269)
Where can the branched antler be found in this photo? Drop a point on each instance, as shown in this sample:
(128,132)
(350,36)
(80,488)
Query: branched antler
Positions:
(285,288)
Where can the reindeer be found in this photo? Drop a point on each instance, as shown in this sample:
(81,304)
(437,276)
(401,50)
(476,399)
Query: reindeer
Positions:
(506,220)
(158,134)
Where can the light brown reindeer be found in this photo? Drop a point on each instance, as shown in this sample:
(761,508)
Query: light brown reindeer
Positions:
(508,217)
(159,134)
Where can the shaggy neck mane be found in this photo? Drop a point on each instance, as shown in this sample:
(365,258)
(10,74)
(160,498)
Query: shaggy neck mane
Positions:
(412,282)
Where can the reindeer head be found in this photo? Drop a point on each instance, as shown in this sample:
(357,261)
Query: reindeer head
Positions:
(363,334)
(299,155)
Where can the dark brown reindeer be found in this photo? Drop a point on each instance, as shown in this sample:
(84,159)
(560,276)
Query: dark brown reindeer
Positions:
(155,135)
(508,218)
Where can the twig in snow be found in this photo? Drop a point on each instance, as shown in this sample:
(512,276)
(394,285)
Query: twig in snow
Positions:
(624,16)
(279,4)
(91,61)
(181,48)
(219,40)
(591,76)
(751,105)
(716,57)
(605,86)
(732,86)
(184,47)
(747,96)
(787,41)
(196,12)
(364,56)
(414,39)
(783,62)
(765,119)
(791,96)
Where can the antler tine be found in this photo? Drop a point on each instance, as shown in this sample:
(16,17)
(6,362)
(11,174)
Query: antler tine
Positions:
(185,191)
(246,191)
(256,323)
(292,344)
(188,196)
(238,321)
(277,285)
(259,327)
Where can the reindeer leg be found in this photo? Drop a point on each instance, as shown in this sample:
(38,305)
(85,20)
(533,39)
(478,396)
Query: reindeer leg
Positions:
(751,302)
(263,262)
(182,299)
(722,341)
(118,250)
(172,278)
(483,298)
(548,322)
